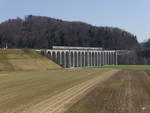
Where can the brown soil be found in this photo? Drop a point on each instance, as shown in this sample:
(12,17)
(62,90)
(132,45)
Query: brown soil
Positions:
(127,92)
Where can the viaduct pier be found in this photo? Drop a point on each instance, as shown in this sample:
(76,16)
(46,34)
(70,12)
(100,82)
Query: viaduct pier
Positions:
(68,57)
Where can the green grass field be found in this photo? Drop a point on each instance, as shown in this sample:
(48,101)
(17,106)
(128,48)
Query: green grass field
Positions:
(137,67)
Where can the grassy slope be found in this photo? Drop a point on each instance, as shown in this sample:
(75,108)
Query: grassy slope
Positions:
(24,60)
(20,89)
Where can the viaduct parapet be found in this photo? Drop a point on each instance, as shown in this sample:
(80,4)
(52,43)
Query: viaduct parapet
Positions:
(69,57)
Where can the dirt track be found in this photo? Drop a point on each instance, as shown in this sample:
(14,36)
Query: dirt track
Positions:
(126,92)
(60,102)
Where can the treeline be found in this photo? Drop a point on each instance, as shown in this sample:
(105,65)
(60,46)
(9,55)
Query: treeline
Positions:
(139,56)
(44,32)
(145,52)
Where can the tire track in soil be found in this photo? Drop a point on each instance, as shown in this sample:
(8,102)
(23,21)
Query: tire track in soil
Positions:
(140,95)
(60,102)
(131,97)
(113,103)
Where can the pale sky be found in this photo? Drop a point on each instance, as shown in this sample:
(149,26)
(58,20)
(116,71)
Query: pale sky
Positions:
(131,15)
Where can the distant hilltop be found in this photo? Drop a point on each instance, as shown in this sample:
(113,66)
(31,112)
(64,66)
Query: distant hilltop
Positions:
(45,32)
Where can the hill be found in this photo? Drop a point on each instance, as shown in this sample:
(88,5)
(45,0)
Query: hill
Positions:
(44,32)
(24,60)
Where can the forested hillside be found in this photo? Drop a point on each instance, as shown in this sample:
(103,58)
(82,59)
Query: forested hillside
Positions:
(146,44)
(145,52)
(44,32)
(139,56)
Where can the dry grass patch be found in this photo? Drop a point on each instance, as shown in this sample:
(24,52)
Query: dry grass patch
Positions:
(22,89)
(24,60)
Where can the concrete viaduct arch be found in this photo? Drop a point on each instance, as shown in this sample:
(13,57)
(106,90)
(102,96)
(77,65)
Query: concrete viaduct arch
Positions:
(81,57)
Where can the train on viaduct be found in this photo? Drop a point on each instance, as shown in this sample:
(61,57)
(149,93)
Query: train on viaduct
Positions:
(69,57)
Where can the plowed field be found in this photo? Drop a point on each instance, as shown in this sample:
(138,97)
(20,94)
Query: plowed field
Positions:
(126,92)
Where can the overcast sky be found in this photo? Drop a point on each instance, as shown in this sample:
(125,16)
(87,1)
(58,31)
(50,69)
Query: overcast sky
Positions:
(131,15)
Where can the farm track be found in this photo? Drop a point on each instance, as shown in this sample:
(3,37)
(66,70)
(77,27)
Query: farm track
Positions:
(62,101)
(126,92)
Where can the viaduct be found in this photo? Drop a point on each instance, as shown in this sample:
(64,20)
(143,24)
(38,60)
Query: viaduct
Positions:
(69,57)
